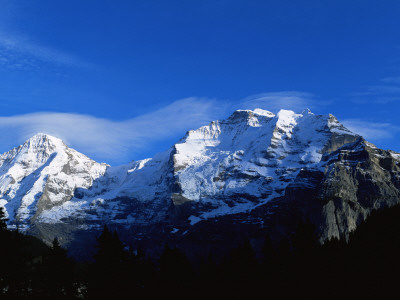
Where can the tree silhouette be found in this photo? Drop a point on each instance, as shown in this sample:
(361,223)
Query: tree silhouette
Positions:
(57,274)
(110,273)
(3,220)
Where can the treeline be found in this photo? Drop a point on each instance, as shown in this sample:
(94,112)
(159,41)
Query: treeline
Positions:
(367,265)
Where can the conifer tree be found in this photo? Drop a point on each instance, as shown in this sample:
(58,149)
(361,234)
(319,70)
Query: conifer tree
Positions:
(110,273)
(176,271)
(269,258)
(57,272)
(243,263)
(3,220)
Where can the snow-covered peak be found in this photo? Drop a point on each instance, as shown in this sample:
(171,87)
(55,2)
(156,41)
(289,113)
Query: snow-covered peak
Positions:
(248,116)
(307,111)
(33,153)
(44,142)
(255,144)
(239,116)
(287,117)
(248,112)
(285,112)
(40,137)
(262,112)
(43,171)
(337,127)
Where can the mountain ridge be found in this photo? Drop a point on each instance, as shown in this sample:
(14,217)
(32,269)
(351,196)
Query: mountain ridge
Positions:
(255,169)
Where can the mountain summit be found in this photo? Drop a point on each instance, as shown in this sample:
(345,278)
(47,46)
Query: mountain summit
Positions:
(252,173)
(40,174)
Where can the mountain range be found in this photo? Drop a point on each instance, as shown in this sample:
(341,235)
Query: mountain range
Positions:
(253,174)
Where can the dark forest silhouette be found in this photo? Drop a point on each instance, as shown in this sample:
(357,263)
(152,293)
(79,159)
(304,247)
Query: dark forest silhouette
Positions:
(365,265)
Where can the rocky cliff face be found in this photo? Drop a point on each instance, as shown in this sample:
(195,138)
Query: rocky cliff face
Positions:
(252,173)
(357,178)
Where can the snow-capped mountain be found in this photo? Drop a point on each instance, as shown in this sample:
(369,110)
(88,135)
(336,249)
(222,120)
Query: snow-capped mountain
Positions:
(254,170)
(225,167)
(40,174)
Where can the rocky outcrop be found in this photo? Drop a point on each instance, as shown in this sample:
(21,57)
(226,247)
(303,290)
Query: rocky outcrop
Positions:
(351,182)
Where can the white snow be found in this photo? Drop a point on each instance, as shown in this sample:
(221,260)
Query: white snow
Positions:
(395,155)
(261,112)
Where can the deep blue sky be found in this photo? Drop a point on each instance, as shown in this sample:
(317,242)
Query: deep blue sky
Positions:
(135,75)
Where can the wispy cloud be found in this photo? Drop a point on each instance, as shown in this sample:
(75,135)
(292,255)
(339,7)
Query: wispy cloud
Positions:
(107,139)
(387,91)
(395,79)
(21,52)
(383,89)
(372,131)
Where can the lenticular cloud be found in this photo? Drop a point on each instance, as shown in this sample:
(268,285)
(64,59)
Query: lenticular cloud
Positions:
(105,139)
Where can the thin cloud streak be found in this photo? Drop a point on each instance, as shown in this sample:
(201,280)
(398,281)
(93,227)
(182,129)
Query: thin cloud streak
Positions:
(371,131)
(388,91)
(395,79)
(20,52)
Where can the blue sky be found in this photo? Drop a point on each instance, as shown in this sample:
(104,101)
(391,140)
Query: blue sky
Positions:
(122,80)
